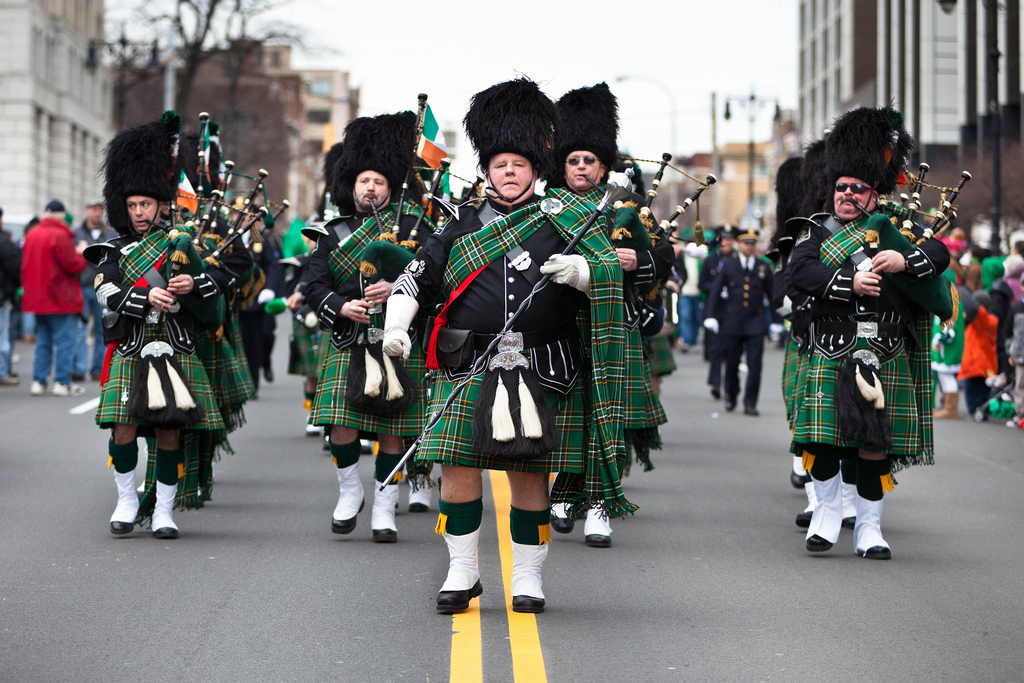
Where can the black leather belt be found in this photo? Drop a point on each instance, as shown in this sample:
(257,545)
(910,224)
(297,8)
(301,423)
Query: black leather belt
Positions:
(530,339)
(867,330)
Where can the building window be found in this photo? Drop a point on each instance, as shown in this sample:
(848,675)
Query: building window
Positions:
(321,87)
(318,116)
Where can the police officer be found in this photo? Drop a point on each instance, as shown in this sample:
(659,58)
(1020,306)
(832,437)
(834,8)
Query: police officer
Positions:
(726,238)
(736,312)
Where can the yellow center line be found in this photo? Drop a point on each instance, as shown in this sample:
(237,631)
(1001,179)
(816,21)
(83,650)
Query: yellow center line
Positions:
(467,665)
(527,656)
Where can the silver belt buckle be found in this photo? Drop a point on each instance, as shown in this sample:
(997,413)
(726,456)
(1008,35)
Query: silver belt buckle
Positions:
(869,330)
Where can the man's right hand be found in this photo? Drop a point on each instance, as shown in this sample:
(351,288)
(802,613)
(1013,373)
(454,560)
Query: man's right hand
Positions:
(160,299)
(294,302)
(356,310)
(711,324)
(867,284)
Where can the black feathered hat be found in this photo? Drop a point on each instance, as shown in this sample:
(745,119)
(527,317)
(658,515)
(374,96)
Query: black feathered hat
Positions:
(330,161)
(870,144)
(514,116)
(590,121)
(816,187)
(383,144)
(789,193)
(140,162)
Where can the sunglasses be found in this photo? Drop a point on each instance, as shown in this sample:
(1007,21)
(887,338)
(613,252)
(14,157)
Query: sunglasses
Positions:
(856,188)
(572,161)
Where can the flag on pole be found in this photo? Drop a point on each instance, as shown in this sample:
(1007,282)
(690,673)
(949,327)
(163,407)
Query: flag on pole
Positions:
(187,198)
(431,147)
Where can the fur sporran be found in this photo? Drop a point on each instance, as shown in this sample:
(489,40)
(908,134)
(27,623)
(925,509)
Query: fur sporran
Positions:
(377,383)
(860,403)
(160,397)
(511,419)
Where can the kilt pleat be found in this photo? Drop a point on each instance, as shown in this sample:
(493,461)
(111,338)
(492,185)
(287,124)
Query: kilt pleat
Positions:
(303,350)
(660,356)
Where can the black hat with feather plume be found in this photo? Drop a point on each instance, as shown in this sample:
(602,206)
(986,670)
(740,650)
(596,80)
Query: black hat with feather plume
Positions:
(590,121)
(383,144)
(817,192)
(516,117)
(869,144)
(140,161)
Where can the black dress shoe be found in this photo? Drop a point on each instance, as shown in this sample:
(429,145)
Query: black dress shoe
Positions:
(849,522)
(716,393)
(449,602)
(798,480)
(268,375)
(77,377)
(878,552)
(562,525)
(385,536)
(525,603)
(730,404)
(121,528)
(419,507)
(345,526)
(165,533)
(750,410)
(803,519)
(817,544)
(598,541)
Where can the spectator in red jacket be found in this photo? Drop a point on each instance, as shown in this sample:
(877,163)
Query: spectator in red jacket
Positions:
(50,268)
(979,365)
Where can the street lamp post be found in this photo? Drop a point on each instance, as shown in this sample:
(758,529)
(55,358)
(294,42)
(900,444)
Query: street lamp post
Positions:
(752,103)
(125,53)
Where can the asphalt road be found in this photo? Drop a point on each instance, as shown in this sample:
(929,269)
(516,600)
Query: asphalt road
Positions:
(709,581)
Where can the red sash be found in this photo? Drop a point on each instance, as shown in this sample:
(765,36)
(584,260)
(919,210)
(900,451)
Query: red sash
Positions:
(109,356)
(441,320)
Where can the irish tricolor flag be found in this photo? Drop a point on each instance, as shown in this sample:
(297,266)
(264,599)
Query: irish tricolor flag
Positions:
(431,147)
(187,198)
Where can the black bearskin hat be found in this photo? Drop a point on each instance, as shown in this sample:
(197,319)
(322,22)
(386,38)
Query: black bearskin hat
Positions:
(869,144)
(383,144)
(789,193)
(140,161)
(590,121)
(330,161)
(514,116)
(816,187)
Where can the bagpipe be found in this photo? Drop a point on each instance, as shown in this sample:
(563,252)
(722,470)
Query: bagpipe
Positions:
(618,187)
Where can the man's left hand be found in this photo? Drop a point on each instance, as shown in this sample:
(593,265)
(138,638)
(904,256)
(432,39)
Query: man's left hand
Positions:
(888,261)
(180,284)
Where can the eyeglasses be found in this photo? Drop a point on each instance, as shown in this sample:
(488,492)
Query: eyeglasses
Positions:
(856,188)
(588,160)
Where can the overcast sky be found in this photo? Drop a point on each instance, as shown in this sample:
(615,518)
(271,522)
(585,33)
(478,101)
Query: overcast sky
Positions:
(395,49)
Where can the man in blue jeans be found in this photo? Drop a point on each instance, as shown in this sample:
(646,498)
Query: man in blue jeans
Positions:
(91,231)
(50,268)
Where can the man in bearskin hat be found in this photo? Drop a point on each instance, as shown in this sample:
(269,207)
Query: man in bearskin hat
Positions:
(350,274)
(586,148)
(525,411)
(867,389)
(154,383)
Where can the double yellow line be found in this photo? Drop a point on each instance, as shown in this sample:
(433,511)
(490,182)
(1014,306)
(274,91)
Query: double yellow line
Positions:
(524,638)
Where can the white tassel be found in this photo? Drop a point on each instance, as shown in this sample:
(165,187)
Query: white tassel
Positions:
(394,386)
(182,396)
(871,392)
(373,376)
(501,418)
(532,428)
(155,389)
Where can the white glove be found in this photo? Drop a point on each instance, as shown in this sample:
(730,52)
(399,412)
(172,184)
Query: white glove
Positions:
(310,321)
(965,260)
(265,296)
(711,324)
(401,309)
(776,329)
(996,381)
(569,269)
(699,253)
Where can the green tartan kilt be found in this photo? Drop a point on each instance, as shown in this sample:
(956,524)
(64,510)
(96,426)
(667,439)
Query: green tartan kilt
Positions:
(228,372)
(450,442)
(790,372)
(113,408)
(642,407)
(331,408)
(660,356)
(303,350)
(816,421)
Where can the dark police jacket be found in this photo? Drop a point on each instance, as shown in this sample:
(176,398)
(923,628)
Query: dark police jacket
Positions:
(737,297)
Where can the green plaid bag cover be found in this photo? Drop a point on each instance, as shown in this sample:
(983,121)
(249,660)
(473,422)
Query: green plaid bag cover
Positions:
(906,378)
(303,350)
(592,477)
(790,363)
(659,355)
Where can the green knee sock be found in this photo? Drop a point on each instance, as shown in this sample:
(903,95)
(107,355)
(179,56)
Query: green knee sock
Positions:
(530,527)
(870,474)
(459,519)
(848,467)
(825,467)
(169,465)
(384,463)
(309,395)
(124,456)
(346,454)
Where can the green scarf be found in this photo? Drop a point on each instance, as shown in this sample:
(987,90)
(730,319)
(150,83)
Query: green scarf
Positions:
(600,323)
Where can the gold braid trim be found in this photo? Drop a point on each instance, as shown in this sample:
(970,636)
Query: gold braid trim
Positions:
(620,233)
(954,294)
(387,237)
(367,268)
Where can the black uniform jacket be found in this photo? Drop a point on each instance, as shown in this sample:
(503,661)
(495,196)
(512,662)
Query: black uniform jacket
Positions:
(737,297)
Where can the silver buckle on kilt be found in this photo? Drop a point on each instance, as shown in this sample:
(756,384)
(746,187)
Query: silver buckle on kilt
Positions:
(867,330)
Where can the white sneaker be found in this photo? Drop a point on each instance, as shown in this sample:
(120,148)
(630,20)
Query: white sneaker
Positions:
(314,430)
(38,389)
(68,389)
